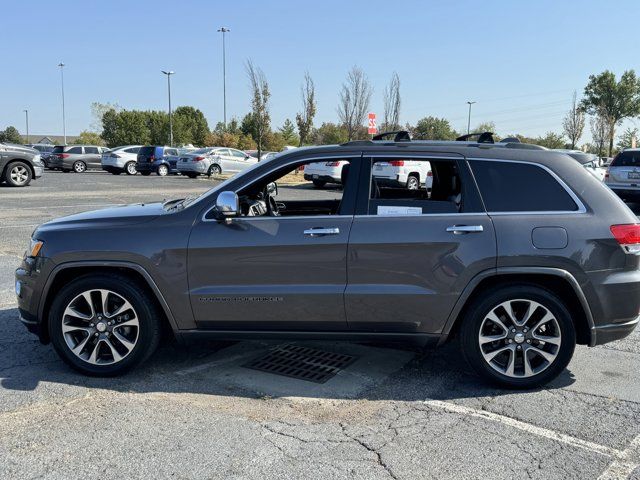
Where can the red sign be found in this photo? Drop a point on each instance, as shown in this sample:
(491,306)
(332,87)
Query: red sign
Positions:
(373,128)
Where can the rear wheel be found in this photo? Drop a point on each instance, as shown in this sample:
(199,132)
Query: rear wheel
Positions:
(319,183)
(130,168)
(103,325)
(413,183)
(18,174)
(163,171)
(79,166)
(214,170)
(520,336)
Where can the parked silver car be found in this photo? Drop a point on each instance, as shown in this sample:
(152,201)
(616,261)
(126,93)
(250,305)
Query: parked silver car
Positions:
(623,175)
(214,161)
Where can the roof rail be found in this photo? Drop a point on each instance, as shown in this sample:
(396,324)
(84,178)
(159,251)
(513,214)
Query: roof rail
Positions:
(483,137)
(399,136)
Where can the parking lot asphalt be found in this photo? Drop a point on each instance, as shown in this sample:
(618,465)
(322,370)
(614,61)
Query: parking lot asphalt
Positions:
(395,412)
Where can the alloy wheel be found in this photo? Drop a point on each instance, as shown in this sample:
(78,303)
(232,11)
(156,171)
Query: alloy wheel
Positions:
(79,167)
(163,170)
(412,183)
(519,338)
(19,175)
(131,168)
(100,327)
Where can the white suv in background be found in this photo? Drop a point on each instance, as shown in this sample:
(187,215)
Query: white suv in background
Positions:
(121,159)
(403,173)
(321,173)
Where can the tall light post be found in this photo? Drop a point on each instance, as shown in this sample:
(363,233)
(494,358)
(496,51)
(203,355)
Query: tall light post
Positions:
(469,119)
(224,30)
(26,116)
(64,122)
(168,73)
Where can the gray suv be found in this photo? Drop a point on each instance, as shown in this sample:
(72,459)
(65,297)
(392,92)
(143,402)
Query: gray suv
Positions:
(77,158)
(19,165)
(516,252)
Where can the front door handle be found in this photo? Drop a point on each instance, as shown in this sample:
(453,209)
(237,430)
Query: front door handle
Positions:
(462,229)
(321,232)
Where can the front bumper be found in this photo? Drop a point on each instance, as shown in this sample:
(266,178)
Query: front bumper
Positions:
(29,285)
(38,171)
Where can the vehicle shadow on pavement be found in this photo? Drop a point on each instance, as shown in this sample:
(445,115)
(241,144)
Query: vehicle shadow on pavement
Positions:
(382,371)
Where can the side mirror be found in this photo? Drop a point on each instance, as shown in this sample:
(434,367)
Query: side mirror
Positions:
(272,188)
(227,205)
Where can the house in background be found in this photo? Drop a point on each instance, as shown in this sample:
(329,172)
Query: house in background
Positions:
(51,139)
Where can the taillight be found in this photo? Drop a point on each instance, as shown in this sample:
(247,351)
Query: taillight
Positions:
(152,158)
(628,236)
(198,159)
(397,163)
(63,155)
(429,173)
(332,164)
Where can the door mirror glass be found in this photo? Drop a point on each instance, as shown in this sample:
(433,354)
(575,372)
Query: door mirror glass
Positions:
(227,204)
(272,188)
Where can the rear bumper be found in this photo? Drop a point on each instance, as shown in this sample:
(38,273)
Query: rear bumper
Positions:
(321,178)
(614,331)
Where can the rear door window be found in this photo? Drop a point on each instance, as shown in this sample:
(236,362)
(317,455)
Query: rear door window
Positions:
(627,159)
(75,150)
(93,150)
(147,151)
(520,187)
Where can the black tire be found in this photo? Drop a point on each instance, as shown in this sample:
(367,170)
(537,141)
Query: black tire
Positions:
(214,170)
(130,168)
(147,314)
(18,174)
(319,183)
(145,174)
(413,182)
(484,304)
(79,166)
(162,171)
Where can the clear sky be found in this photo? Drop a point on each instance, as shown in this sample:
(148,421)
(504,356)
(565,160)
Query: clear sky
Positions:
(519,60)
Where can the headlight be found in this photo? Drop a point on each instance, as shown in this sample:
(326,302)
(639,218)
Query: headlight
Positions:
(34,247)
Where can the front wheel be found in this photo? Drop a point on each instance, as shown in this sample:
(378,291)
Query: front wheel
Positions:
(103,325)
(214,170)
(130,168)
(520,336)
(18,174)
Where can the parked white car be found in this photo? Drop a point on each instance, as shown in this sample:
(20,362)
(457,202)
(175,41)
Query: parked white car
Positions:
(410,174)
(589,161)
(321,173)
(121,159)
(214,161)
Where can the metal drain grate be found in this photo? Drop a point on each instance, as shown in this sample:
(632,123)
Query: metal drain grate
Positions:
(302,363)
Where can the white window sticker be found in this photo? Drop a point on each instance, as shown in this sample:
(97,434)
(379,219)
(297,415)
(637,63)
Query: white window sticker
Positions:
(384,210)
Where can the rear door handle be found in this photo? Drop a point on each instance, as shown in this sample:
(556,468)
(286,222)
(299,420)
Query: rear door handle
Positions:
(321,232)
(462,229)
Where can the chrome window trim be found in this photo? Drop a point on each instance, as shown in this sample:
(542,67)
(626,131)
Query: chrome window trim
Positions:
(581,207)
(297,160)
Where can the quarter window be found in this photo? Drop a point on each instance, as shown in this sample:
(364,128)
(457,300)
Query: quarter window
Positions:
(520,187)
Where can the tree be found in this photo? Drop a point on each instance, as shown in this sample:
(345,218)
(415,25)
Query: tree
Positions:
(551,140)
(128,127)
(432,128)
(97,112)
(355,98)
(189,126)
(599,131)
(573,123)
(330,133)
(611,100)
(627,139)
(304,119)
(11,135)
(89,138)
(391,119)
(259,103)
(288,132)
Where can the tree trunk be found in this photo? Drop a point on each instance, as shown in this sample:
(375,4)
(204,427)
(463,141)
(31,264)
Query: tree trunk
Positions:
(612,130)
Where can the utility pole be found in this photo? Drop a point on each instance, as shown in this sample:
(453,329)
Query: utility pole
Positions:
(224,30)
(26,114)
(168,73)
(469,119)
(64,123)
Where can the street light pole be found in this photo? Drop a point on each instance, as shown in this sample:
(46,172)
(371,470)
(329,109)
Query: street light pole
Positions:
(64,122)
(168,73)
(224,30)
(26,114)
(469,119)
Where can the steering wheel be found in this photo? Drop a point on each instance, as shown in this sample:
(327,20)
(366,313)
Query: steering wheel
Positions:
(272,206)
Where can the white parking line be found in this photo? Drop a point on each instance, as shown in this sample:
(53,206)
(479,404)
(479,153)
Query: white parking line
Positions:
(20,226)
(623,467)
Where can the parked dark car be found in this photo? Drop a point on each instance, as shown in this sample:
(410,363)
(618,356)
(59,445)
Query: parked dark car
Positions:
(518,252)
(19,165)
(157,159)
(76,158)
